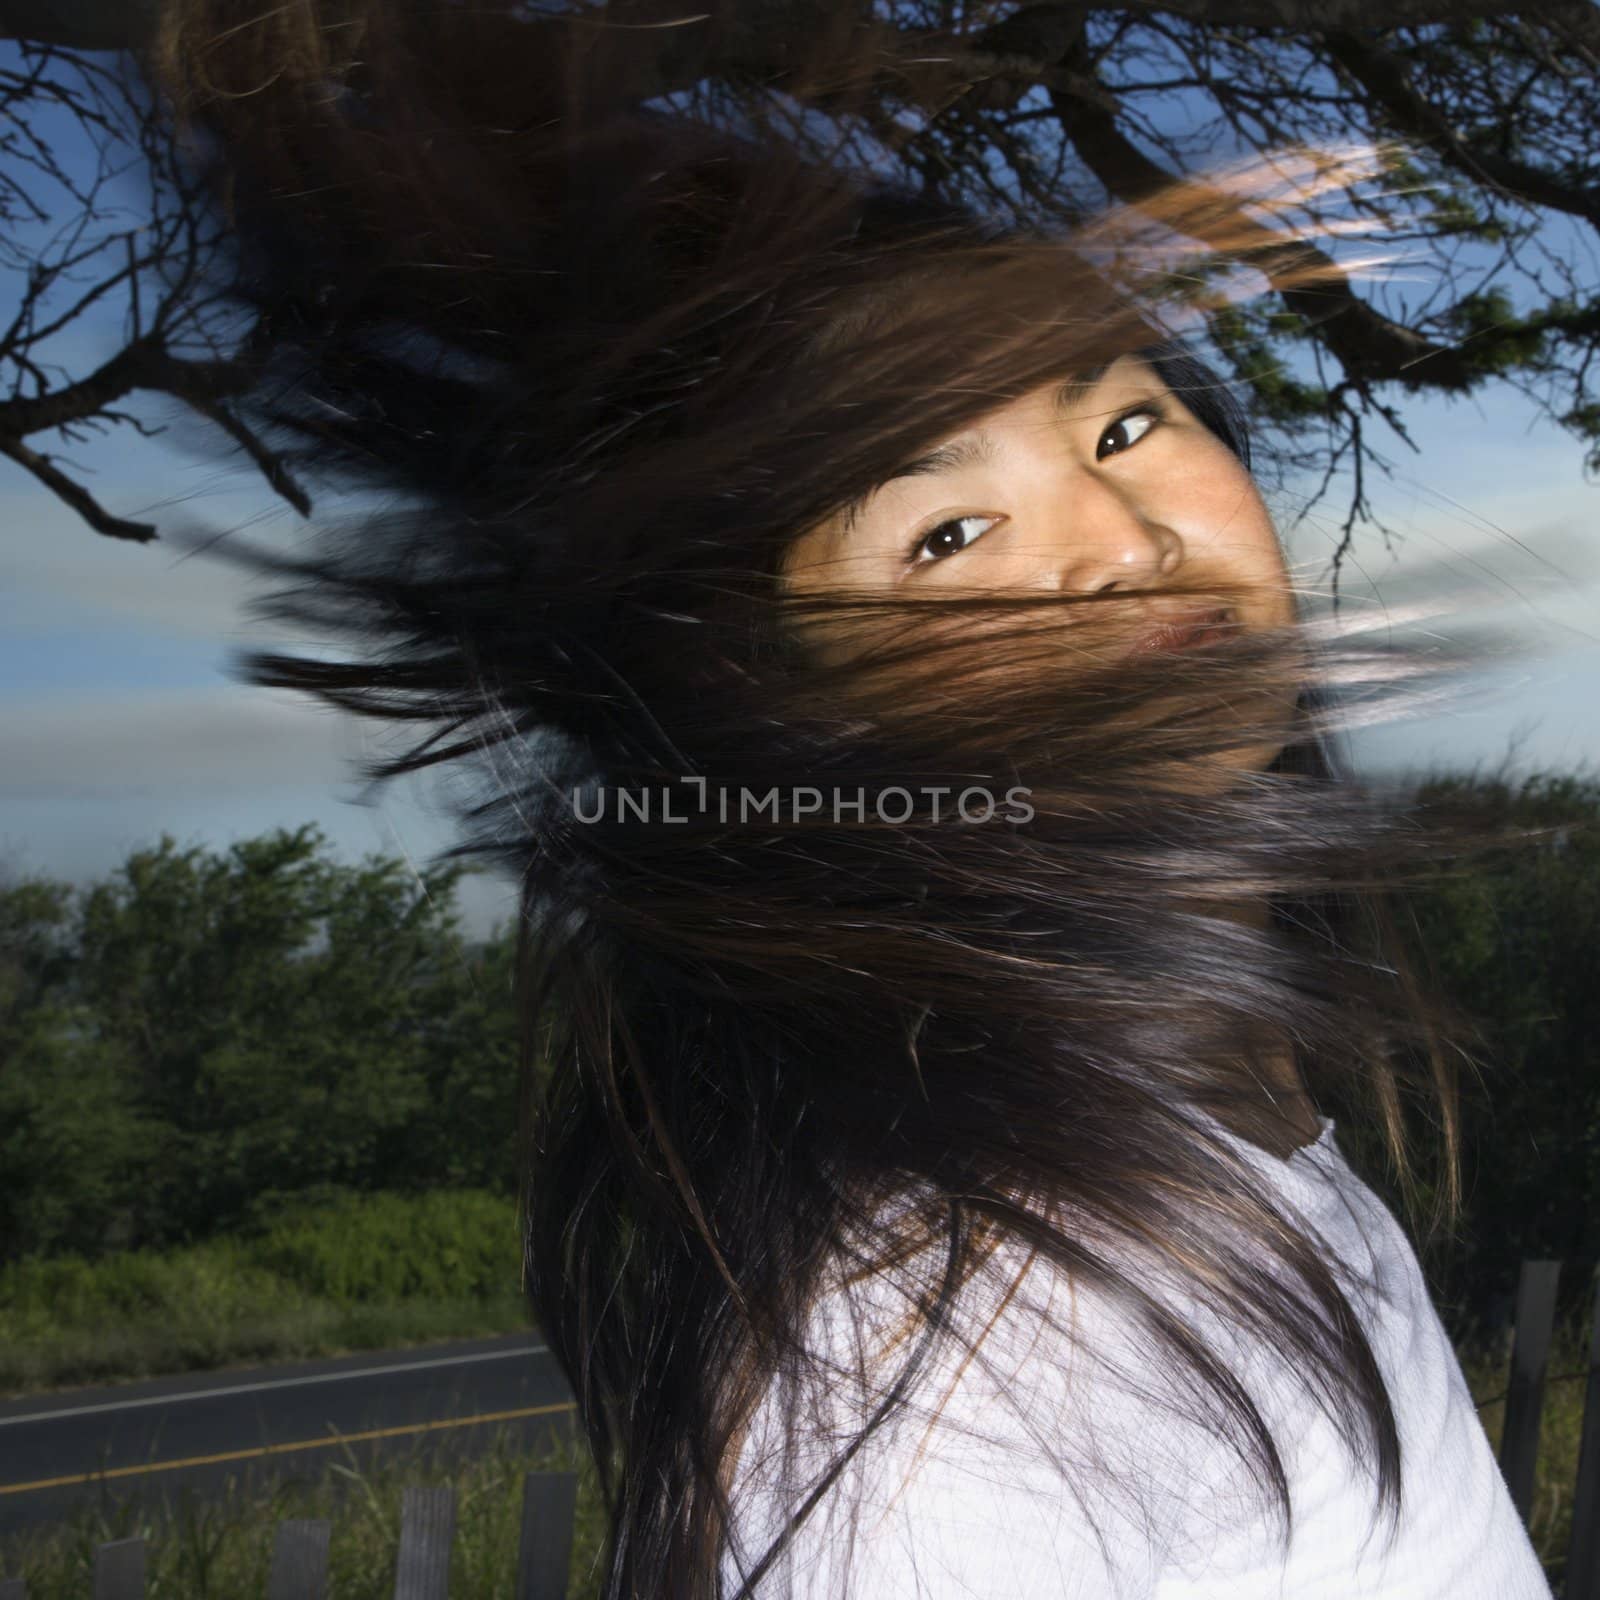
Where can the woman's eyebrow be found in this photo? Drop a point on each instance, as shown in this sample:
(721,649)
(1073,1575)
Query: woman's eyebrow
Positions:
(975,451)
(1071,394)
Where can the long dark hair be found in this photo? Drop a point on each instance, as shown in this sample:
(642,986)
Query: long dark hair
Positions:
(606,365)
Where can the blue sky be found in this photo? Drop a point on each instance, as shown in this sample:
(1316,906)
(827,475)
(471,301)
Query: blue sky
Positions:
(119,720)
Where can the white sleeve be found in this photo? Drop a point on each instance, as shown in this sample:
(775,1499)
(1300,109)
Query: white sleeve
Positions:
(1023,1473)
(965,1524)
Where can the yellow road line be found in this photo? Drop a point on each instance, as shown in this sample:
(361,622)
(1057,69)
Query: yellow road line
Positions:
(284,1449)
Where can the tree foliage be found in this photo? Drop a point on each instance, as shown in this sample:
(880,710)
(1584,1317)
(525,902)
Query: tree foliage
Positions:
(1514,943)
(1037,111)
(209,1040)
(203,1032)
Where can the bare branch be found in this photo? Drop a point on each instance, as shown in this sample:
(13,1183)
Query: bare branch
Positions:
(1028,111)
(129,369)
(75,495)
(1384,78)
(272,466)
(171,346)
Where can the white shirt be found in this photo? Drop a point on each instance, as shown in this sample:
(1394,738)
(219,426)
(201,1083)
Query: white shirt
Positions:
(971,1503)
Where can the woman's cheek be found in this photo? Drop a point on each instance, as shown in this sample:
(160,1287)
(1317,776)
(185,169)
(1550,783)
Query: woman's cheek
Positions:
(1229,531)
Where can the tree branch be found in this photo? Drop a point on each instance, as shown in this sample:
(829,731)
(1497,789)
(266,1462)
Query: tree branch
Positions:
(124,372)
(80,24)
(1384,79)
(679,41)
(144,364)
(1368,345)
(272,466)
(75,495)
(1313,16)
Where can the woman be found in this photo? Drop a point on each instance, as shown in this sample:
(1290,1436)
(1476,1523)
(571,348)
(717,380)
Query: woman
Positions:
(945,930)
(1121,484)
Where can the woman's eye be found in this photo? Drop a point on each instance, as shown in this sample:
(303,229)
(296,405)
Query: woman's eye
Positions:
(950,538)
(1125,431)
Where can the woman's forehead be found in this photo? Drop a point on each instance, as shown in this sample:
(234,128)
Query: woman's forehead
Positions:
(1130,368)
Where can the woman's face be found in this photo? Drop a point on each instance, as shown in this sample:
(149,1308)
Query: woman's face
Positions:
(1114,485)
(1110,485)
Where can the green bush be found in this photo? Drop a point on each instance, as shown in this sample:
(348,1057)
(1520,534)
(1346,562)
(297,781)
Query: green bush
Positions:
(454,1245)
(1512,941)
(361,1272)
(211,1283)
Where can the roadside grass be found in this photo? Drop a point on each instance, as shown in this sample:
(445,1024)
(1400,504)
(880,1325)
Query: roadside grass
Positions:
(220,1547)
(364,1272)
(80,1357)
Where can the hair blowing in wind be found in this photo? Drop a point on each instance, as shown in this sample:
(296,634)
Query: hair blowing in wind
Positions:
(604,366)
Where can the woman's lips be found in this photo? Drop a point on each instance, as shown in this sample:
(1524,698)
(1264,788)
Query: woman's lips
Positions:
(1189,628)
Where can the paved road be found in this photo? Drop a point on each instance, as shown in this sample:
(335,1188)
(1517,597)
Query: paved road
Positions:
(200,1432)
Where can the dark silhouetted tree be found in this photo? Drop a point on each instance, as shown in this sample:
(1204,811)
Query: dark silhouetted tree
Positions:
(1043,111)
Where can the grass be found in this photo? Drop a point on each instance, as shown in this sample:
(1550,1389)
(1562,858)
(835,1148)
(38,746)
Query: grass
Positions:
(220,1548)
(190,1344)
(370,1272)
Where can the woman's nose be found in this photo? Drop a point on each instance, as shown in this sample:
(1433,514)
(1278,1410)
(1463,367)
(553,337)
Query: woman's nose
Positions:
(1103,537)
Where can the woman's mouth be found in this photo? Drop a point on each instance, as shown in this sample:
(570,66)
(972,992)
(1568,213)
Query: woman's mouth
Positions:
(1190,628)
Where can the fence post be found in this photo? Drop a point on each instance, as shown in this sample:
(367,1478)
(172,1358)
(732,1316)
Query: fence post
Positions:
(1530,1357)
(299,1561)
(427,1530)
(1583,1553)
(548,1502)
(119,1570)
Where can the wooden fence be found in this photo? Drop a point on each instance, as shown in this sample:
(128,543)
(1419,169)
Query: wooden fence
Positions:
(1519,1439)
(299,1568)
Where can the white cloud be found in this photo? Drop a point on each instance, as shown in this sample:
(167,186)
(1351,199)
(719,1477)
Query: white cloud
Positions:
(86,781)
(225,736)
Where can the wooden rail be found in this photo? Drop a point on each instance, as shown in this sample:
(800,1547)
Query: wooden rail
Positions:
(1519,1439)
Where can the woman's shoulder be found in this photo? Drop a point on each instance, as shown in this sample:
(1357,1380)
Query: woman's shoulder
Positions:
(978,1462)
(1028,1335)
(1048,1444)
(1030,1320)
(1029,1441)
